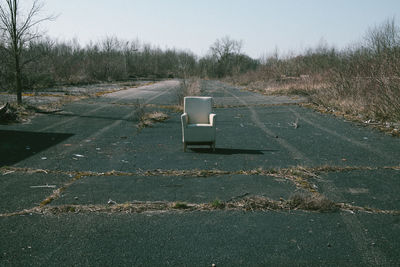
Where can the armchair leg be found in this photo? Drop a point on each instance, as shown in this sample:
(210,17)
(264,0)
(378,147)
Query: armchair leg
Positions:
(184,146)
(213,147)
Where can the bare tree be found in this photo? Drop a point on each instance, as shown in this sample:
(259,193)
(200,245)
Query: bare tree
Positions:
(226,47)
(225,51)
(18,30)
(384,37)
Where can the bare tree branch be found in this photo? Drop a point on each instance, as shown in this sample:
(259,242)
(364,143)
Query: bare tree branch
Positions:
(18,30)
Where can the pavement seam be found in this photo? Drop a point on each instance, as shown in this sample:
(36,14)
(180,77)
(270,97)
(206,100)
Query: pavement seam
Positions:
(57,193)
(5,170)
(246,204)
(300,176)
(371,256)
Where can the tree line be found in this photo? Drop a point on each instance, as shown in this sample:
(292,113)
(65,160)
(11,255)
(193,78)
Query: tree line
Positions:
(49,62)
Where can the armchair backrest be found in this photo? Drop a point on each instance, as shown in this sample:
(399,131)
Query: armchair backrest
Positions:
(198,109)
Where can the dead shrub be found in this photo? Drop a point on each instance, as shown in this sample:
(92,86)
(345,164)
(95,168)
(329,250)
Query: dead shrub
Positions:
(148,119)
(139,111)
(362,81)
(188,87)
(313,202)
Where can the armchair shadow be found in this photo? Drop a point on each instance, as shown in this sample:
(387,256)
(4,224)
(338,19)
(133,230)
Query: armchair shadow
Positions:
(230,151)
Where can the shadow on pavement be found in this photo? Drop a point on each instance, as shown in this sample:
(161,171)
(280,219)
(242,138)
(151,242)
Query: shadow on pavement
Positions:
(231,151)
(115,118)
(19,145)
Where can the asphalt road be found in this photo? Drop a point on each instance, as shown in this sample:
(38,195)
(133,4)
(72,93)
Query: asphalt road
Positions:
(86,186)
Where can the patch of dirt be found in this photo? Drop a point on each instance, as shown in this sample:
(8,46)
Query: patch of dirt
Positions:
(13,113)
(148,119)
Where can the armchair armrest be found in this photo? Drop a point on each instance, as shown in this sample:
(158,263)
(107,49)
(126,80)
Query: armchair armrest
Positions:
(212,119)
(184,119)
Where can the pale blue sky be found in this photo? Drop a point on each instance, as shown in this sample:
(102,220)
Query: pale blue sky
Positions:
(195,25)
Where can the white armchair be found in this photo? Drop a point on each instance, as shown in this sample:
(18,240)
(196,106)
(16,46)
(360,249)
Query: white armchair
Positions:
(198,122)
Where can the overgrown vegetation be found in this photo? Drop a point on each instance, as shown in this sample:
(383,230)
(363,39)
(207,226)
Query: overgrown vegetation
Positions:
(180,206)
(188,87)
(217,204)
(363,80)
(315,202)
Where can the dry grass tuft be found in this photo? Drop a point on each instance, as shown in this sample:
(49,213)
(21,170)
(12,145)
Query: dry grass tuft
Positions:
(305,85)
(312,202)
(188,87)
(157,116)
(12,113)
(148,119)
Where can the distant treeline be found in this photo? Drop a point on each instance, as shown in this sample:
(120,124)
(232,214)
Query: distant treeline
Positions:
(47,62)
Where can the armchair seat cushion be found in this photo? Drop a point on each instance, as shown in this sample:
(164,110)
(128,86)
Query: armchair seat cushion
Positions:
(199,125)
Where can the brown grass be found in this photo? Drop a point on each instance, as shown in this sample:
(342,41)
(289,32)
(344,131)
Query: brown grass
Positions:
(380,110)
(148,119)
(313,202)
(304,85)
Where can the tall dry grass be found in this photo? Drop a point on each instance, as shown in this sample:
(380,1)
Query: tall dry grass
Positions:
(188,87)
(363,80)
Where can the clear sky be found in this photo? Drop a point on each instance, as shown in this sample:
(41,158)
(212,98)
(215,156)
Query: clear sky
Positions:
(289,25)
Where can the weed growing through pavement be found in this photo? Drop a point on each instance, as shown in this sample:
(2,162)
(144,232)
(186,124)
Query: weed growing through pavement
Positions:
(218,204)
(180,206)
(139,111)
(149,119)
(313,202)
(145,119)
(188,87)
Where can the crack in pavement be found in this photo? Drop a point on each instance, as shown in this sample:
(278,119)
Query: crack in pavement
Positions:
(247,204)
(300,176)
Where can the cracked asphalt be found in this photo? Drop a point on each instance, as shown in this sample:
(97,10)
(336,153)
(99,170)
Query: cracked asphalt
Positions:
(92,154)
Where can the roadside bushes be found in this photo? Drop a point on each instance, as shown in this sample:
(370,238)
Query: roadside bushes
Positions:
(363,80)
(367,78)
